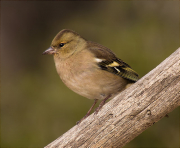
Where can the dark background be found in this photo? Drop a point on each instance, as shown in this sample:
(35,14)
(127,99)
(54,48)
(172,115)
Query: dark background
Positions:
(36,107)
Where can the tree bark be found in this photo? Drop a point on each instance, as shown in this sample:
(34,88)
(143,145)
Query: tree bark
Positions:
(131,112)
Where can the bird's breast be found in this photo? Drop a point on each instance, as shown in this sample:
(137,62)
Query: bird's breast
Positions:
(87,79)
(78,77)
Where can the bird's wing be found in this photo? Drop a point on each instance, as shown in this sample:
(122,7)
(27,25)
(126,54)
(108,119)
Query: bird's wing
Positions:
(107,61)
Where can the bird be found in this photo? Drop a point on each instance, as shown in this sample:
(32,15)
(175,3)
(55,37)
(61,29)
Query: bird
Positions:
(89,69)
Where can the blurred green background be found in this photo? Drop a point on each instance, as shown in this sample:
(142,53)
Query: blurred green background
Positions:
(36,107)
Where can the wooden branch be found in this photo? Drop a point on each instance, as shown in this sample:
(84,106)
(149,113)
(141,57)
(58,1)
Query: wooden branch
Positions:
(130,112)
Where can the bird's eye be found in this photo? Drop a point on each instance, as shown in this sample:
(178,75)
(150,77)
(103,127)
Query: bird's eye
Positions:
(61,45)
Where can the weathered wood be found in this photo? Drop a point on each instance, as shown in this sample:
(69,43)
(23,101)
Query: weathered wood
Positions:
(131,112)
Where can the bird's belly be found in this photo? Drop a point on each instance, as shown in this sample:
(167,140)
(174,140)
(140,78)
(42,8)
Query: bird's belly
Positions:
(92,85)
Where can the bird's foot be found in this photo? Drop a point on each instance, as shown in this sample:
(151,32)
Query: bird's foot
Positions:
(101,105)
(78,122)
(98,109)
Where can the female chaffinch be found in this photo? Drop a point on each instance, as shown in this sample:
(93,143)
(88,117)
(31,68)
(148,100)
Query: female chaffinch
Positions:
(89,68)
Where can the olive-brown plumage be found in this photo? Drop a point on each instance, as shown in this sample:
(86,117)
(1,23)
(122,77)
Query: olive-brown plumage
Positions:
(89,68)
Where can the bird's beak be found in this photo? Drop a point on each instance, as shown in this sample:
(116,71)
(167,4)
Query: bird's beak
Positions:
(50,50)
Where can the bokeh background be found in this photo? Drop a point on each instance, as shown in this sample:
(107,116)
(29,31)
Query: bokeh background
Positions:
(36,107)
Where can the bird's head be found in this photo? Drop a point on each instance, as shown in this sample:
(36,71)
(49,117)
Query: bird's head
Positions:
(65,44)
